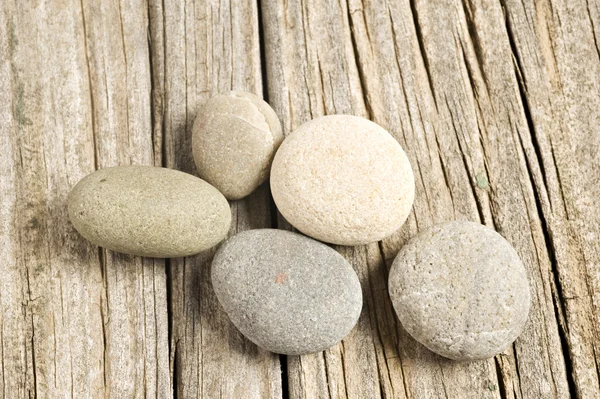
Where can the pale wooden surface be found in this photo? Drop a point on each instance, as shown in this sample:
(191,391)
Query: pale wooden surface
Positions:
(497,103)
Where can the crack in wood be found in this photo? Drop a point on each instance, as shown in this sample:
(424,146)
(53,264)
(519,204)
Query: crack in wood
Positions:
(500,378)
(517,369)
(419,37)
(557,293)
(89,77)
(357,63)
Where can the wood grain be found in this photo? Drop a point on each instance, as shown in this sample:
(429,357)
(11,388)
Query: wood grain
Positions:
(496,102)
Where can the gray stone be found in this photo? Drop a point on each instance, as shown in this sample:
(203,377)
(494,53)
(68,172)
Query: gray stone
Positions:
(149,211)
(287,293)
(343,179)
(234,139)
(461,290)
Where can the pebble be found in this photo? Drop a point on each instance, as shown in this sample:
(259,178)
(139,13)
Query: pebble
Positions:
(461,290)
(234,139)
(285,292)
(343,179)
(149,211)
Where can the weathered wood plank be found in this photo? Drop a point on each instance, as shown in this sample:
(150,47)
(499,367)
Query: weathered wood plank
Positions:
(201,48)
(479,117)
(441,77)
(77,90)
(556,56)
(134,306)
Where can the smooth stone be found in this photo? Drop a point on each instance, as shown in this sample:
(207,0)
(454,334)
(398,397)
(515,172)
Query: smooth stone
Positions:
(149,211)
(343,179)
(286,292)
(234,139)
(461,290)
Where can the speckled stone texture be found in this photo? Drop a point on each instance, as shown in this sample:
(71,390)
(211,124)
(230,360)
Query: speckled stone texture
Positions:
(234,139)
(286,292)
(461,290)
(149,211)
(343,179)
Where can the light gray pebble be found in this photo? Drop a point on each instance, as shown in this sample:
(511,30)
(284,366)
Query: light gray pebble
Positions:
(286,292)
(234,139)
(461,290)
(149,211)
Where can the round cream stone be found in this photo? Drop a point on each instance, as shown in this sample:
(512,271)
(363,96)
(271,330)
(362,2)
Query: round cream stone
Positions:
(234,139)
(343,179)
(461,290)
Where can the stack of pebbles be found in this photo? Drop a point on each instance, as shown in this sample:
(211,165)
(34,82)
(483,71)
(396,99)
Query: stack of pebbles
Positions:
(459,288)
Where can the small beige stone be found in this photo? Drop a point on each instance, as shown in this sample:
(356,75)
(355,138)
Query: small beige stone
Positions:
(343,179)
(234,139)
(461,290)
(149,211)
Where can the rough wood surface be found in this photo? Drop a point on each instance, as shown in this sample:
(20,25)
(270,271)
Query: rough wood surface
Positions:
(496,102)
(76,94)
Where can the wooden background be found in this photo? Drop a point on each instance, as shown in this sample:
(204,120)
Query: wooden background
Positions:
(496,102)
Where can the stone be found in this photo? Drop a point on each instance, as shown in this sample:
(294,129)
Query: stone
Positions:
(461,290)
(343,179)
(285,292)
(234,139)
(149,211)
